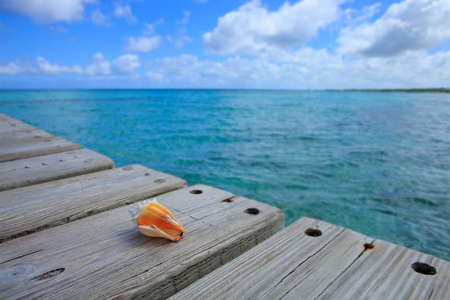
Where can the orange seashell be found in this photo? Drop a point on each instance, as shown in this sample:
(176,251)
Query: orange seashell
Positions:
(155,220)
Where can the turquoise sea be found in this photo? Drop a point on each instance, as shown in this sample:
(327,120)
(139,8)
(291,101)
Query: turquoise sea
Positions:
(378,163)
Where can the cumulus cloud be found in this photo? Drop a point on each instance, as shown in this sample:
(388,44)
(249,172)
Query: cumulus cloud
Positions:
(411,25)
(38,66)
(100,66)
(254,30)
(47,11)
(126,64)
(142,43)
(124,11)
(302,69)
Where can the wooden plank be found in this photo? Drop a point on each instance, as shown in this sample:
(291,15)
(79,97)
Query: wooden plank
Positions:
(30,171)
(27,149)
(5,119)
(15,127)
(34,208)
(23,136)
(104,257)
(339,264)
(9,125)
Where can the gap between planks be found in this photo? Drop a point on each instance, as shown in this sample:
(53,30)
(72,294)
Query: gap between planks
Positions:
(29,209)
(30,171)
(338,264)
(104,257)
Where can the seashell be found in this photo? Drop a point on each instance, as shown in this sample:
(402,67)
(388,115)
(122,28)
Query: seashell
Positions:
(155,220)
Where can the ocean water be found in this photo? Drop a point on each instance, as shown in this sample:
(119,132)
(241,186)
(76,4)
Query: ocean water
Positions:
(377,163)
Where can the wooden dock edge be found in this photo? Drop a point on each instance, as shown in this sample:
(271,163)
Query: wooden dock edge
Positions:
(40,169)
(34,208)
(312,259)
(103,256)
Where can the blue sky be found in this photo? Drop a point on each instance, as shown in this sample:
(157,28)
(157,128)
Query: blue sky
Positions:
(308,44)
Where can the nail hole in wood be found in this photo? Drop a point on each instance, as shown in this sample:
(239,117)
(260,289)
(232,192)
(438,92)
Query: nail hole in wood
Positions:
(423,268)
(368,246)
(252,211)
(127,168)
(160,181)
(227,200)
(196,192)
(313,232)
(49,274)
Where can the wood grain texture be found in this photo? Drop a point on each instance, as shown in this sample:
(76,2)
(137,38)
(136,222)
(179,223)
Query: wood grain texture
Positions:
(335,265)
(29,209)
(24,136)
(9,125)
(27,149)
(30,171)
(102,256)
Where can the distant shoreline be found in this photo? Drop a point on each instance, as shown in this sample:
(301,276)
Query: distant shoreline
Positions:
(440,90)
(410,90)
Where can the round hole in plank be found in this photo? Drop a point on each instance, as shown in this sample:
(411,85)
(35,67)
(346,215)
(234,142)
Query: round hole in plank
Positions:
(252,211)
(423,268)
(313,232)
(196,192)
(159,181)
(368,246)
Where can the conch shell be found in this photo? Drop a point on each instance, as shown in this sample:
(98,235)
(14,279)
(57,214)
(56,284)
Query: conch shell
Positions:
(155,220)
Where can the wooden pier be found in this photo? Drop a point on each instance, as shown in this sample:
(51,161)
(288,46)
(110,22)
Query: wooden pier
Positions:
(65,233)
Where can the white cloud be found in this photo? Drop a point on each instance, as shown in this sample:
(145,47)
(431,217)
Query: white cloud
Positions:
(180,38)
(355,16)
(302,69)
(143,43)
(99,18)
(11,69)
(47,11)
(99,67)
(411,25)
(179,41)
(253,30)
(186,18)
(126,64)
(124,11)
(151,27)
(45,67)
(38,66)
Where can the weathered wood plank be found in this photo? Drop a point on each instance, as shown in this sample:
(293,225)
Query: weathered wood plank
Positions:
(102,256)
(339,264)
(30,171)
(23,136)
(30,209)
(15,127)
(27,149)
(9,125)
